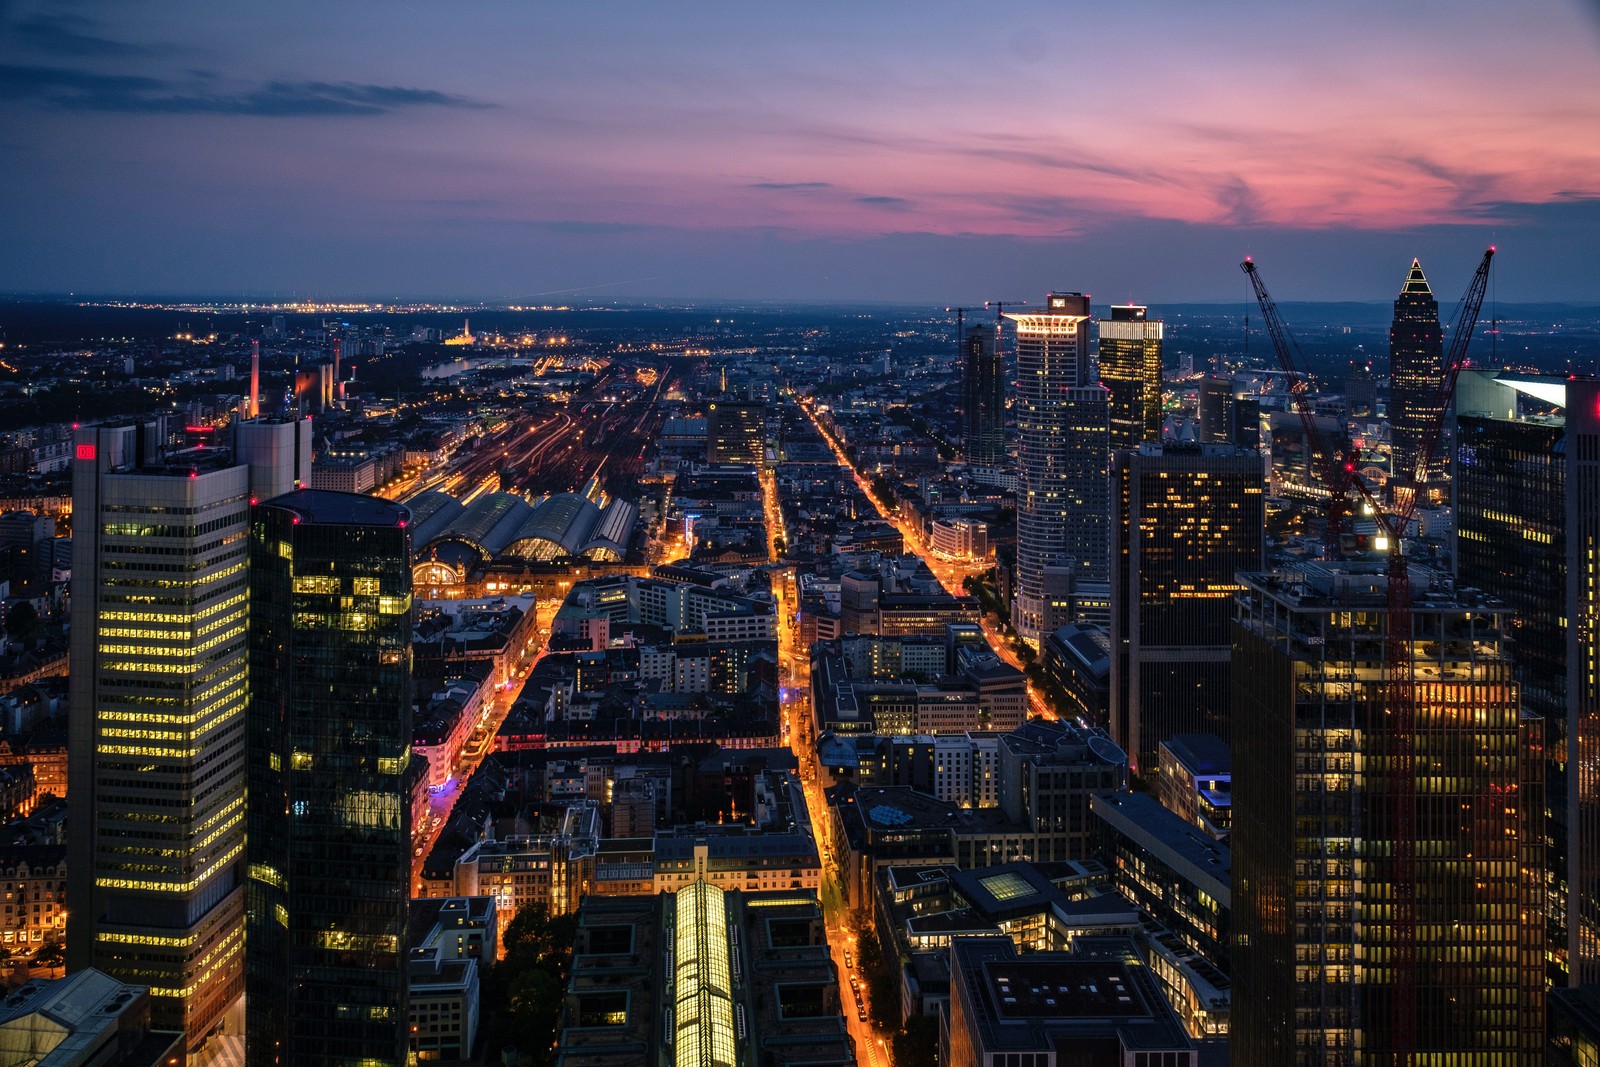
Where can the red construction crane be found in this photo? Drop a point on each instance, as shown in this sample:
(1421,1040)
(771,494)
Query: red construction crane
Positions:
(1338,465)
(1401,694)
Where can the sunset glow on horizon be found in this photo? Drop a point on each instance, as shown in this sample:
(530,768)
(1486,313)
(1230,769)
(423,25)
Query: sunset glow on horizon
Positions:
(495,141)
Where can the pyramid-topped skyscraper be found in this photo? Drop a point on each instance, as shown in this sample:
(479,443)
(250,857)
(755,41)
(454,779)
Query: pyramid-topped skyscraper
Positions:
(1416,369)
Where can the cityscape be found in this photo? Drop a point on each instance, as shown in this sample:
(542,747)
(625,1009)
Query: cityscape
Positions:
(416,651)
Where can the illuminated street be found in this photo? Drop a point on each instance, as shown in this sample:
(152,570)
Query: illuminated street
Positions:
(950,573)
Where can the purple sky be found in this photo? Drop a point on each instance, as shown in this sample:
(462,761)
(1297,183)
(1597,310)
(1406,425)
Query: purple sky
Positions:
(921,152)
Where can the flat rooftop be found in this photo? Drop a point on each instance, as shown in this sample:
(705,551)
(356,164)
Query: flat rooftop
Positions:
(1065,989)
(1201,753)
(324,507)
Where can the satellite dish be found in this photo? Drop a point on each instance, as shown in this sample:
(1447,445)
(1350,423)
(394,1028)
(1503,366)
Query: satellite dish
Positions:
(1108,750)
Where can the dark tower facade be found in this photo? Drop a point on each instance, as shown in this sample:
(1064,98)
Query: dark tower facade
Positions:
(736,432)
(329,819)
(1416,370)
(1130,369)
(1189,519)
(1326,969)
(1527,498)
(1510,497)
(983,395)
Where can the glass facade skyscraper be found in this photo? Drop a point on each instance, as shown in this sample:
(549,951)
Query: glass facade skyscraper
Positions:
(1416,370)
(736,432)
(157,722)
(1189,519)
(983,398)
(1511,513)
(1327,969)
(330,725)
(1130,369)
(1527,498)
(1063,453)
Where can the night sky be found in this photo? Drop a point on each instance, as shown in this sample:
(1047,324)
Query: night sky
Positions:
(597,150)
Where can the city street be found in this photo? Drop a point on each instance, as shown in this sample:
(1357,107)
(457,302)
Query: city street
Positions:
(799,726)
(478,745)
(950,573)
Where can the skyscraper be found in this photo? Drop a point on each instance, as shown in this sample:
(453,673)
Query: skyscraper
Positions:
(1367,932)
(736,432)
(1130,369)
(1063,451)
(1189,520)
(1527,509)
(1416,370)
(157,721)
(1228,414)
(983,414)
(330,723)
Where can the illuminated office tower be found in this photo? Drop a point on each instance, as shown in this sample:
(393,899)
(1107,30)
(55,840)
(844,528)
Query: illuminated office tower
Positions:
(1063,451)
(1130,369)
(1328,834)
(330,723)
(157,721)
(1527,508)
(736,432)
(1190,518)
(1416,369)
(983,412)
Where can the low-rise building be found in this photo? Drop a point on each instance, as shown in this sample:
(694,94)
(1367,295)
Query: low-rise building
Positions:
(450,942)
(1182,879)
(959,538)
(1094,1007)
(1078,657)
(1194,780)
(34,905)
(1041,907)
(87,1019)
(852,691)
(713,975)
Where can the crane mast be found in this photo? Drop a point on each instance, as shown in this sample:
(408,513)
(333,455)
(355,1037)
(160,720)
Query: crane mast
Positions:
(1338,468)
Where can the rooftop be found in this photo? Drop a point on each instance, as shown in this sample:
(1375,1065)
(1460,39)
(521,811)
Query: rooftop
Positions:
(1189,851)
(1201,753)
(324,507)
(1098,994)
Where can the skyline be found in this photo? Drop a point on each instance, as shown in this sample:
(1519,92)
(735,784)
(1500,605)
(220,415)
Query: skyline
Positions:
(726,153)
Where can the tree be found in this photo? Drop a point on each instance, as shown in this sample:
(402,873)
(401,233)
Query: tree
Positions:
(22,621)
(917,1045)
(522,994)
(883,488)
(50,955)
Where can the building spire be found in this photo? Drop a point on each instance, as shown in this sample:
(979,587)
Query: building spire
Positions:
(1416,281)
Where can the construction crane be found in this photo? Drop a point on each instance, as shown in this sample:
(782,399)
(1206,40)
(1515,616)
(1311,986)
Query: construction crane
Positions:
(961,317)
(1400,703)
(1000,308)
(1338,466)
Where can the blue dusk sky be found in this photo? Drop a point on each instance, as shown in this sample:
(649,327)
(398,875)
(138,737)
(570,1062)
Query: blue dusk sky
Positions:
(920,152)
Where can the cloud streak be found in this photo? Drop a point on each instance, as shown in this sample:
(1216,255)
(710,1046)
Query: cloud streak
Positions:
(71,89)
(70,35)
